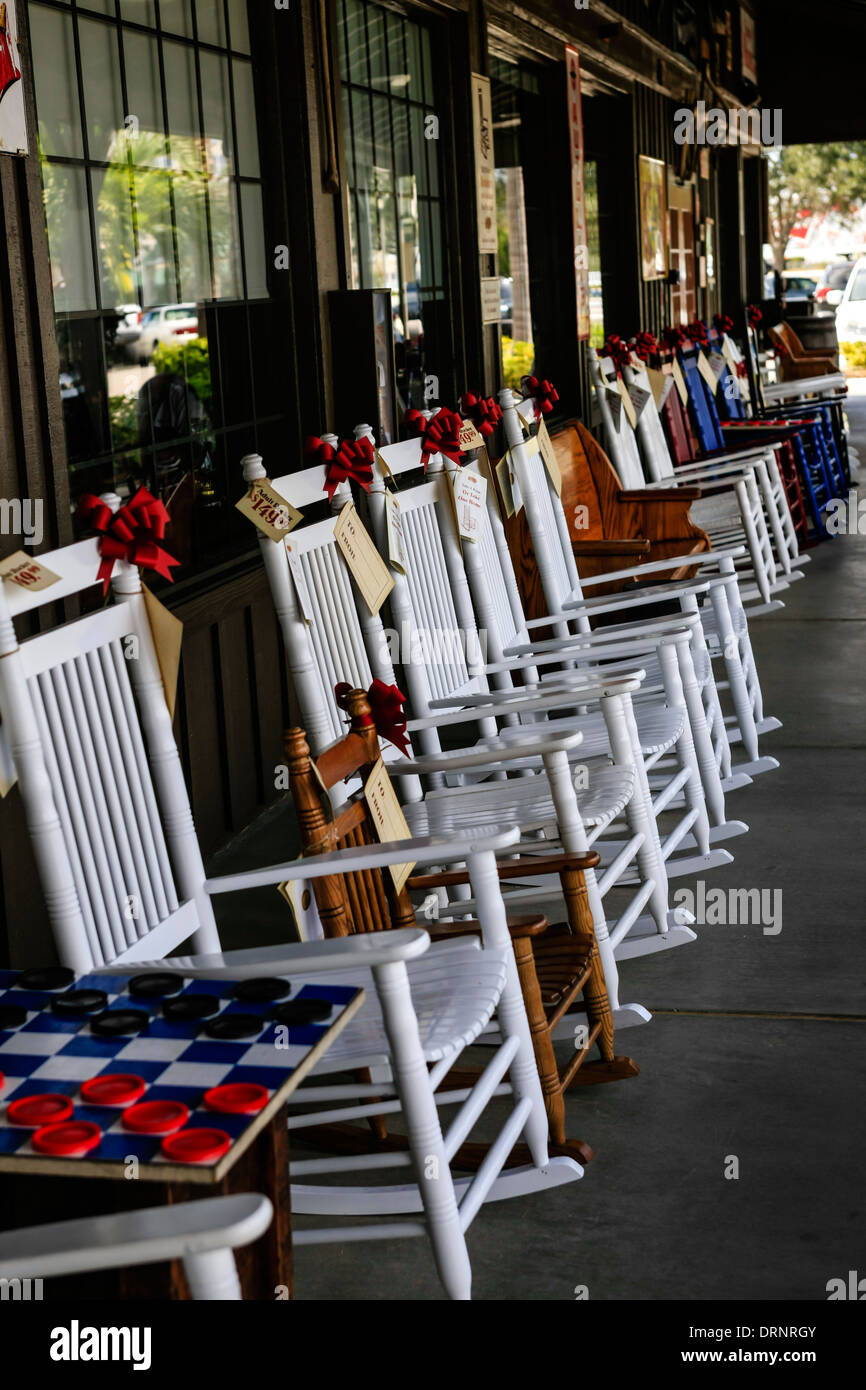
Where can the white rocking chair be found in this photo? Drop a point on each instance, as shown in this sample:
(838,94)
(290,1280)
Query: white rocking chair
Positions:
(202,1234)
(90,736)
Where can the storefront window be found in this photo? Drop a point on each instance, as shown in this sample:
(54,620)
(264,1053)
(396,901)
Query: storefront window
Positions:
(512,85)
(391,138)
(596,301)
(153,204)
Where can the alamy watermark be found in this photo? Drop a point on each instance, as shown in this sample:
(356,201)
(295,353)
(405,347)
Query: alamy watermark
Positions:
(737,125)
(22,517)
(733,907)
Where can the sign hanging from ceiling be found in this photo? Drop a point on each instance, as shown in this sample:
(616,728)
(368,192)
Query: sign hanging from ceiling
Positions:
(13,129)
(485,178)
(578,194)
(748,64)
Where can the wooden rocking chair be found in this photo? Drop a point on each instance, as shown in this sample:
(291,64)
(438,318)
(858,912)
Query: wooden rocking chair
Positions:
(555,965)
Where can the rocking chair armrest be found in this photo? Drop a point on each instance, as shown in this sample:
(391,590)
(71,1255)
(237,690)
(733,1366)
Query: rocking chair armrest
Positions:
(655,593)
(620,640)
(638,546)
(511,868)
(517,927)
(584,686)
(487,754)
(426,849)
(703,559)
(665,492)
(291,958)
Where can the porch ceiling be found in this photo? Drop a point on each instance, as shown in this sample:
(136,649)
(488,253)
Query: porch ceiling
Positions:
(810,66)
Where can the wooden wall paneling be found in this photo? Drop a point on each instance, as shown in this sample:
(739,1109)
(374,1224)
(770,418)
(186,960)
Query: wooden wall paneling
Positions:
(240,749)
(199,732)
(269,695)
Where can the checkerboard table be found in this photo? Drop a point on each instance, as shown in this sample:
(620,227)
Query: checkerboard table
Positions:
(47,1048)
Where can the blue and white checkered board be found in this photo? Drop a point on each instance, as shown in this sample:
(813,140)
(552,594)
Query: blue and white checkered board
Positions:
(48,1053)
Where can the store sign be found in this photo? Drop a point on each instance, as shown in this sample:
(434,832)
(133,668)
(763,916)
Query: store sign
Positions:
(13,128)
(491,311)
(485,181)
(578,197)
(748,64)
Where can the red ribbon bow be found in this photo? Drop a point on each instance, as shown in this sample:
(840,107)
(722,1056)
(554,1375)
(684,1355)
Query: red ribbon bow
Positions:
(615,348)
(352,459)
(543,393)
(645,346)
(130,534)
(723,323)
(386,711)
(674,337)
(697,333)
(754,315)
(483,411)
(439,435)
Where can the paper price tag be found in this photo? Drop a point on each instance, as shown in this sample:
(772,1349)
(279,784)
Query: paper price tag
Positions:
(482,463)
(638,397)
(661,383)
(626,401)
(387,816)
(470,437)
(267,510)
(548,454)
(295,895)
(23,570)
(296,569)
(470,491)
(614,400)
(8,775)
(167,633)
(707,373)
(680,382)
(508,485)
(366,565)
(396,543)
(383,465)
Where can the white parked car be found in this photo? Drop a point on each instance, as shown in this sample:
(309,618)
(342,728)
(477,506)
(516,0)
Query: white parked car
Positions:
(167,323)
(851,313)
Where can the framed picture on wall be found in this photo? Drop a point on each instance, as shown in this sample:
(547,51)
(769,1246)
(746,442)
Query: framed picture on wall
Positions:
(652,185)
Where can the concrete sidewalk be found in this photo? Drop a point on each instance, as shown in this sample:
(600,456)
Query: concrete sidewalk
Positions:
(756,1048)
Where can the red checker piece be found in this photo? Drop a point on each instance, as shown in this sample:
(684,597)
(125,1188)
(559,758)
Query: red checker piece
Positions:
(114,1089)
(77,1137)
(35,1111)
(156,1116)
(197,1145)
(238,1098)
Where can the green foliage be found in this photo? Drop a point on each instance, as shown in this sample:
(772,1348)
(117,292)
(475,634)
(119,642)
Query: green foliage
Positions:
(854,354)
(517,360)
(190,360)
(814,178)
(122,412)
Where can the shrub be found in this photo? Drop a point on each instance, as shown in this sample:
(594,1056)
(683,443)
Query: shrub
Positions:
(854,354)
(517,360)
(190,360)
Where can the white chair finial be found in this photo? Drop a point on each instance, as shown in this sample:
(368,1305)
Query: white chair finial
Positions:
(253,467)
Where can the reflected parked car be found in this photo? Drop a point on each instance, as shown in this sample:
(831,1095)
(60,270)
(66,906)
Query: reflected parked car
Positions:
(128,328)
(832,284)
(166,324)
(851,313)
(798,288)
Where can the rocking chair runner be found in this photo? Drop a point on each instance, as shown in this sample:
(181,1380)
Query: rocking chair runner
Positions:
(555,965)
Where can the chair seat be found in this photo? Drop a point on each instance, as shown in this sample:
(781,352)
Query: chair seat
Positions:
(525,800)
(455,989)
(561,963)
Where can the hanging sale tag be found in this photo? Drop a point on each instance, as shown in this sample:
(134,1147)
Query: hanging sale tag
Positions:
(8,775)
(548,454)
(387,817)
(383,465)
(293,892)
(296,569)
(167,633)
(614,400)
(367,567)
(509,487)
(470,491)
(680,382)
(23,570)
(396,543)
(638,397)
(270,512)
(483,464)
(660,384)
(707,373)
(626,401)
(470,437)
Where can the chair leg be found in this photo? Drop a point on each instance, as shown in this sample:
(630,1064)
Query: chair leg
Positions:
(432,1171)
(545,1057)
